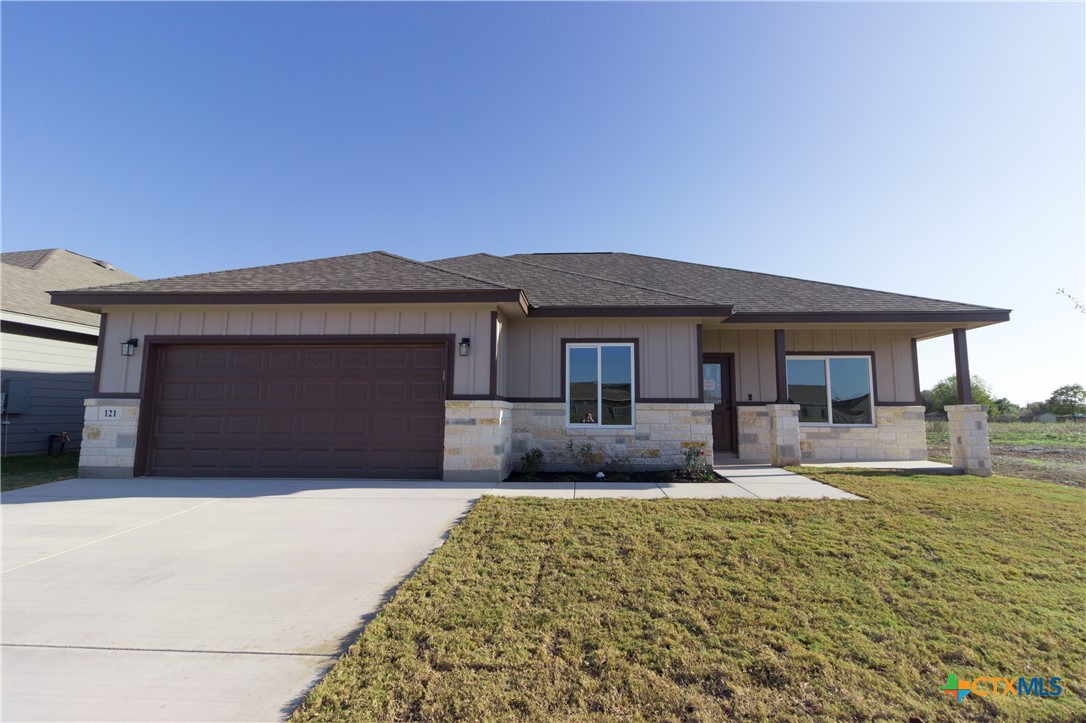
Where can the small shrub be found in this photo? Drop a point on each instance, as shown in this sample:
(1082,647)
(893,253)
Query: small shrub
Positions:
(696,466)
(531,464)
(584,456)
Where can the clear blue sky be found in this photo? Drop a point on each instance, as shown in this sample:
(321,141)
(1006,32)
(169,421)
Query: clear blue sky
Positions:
(931,149)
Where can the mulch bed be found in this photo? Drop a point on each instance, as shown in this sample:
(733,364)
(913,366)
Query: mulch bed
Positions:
(639,476)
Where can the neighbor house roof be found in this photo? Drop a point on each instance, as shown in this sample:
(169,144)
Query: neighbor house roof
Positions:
(27,277)
(544,284)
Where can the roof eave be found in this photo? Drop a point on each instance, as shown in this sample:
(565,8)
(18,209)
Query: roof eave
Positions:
(984,316)
(95,300)
(632,311)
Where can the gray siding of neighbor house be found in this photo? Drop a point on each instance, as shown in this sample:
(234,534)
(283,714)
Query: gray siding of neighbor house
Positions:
(122,375)
(668,350)
(60,374)
(755,367)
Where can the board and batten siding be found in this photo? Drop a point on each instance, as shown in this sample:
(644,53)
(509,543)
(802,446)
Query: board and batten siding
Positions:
(122,375)
(60,375)
(668,363)
(755,357)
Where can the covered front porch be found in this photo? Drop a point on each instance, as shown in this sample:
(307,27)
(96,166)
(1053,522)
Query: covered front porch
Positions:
(832,394)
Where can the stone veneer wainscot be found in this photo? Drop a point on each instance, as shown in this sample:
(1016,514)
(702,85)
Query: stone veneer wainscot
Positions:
(478,440)
(898,435)
(663,433)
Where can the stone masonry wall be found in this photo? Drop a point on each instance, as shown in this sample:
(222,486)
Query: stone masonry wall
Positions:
(753,433)
(478,441)
(898,435)
(109,438)
(662,434)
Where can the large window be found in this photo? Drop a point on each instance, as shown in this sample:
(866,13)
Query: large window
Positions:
(599,385)
(831,389)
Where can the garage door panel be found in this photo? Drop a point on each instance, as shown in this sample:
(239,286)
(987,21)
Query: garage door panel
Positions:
(335,411)
(427,392)
(207,424)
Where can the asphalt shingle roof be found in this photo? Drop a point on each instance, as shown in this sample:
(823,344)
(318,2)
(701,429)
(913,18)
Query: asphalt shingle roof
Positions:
(547,287)
(748,292)
(367,272)
(549,281)
(27,277)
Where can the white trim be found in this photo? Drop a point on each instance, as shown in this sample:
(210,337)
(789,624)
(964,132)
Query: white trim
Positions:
(598,346)
(825,359)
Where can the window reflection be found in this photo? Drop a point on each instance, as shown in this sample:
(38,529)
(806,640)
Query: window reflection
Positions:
(807,388)
(850,380)
(616,389)
(583,385)
(711,376)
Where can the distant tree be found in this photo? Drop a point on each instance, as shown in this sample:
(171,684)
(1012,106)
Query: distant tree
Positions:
(946,392)
(1036,408)
(1068,399)
(1004,410)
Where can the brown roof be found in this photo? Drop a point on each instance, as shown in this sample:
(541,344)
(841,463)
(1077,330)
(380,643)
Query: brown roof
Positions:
(748,292)
(368,272)
(546,287)
(593,283)
(27,277)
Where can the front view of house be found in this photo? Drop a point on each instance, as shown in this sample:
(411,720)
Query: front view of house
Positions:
(377,366)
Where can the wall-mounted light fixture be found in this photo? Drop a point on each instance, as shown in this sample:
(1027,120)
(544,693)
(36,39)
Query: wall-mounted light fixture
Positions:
(465,346)
(128,348)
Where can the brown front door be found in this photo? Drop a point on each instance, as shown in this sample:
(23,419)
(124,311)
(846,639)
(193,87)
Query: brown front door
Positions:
(358,410)
(719,390)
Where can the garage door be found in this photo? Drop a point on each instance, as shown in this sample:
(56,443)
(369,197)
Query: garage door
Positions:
(298,411)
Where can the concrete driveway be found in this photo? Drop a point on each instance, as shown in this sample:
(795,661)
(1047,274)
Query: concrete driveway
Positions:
(194,600)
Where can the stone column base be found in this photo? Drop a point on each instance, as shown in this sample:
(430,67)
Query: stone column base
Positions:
(783,434)
(109,438)
(968,428)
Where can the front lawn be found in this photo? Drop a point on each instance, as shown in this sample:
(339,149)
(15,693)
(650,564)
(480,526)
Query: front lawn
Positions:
(703,610)
(17,472)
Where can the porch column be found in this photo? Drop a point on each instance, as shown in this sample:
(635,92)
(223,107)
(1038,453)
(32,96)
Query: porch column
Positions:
(961,365)
(967,425)
(782,368)
(783,434)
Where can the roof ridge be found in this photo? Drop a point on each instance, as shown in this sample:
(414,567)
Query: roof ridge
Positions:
(806,281)
(428,265)
(701,301)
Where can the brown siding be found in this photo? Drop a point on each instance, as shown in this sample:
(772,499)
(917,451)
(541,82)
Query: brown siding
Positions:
(668,355)
(121,375)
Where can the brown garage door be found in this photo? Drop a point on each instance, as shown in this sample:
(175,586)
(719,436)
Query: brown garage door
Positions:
(297,411)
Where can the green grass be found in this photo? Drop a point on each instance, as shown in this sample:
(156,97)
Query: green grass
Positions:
(704,610)
(18,472)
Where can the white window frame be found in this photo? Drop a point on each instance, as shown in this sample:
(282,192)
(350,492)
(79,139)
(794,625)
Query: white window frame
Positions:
(825,359)
(598,346)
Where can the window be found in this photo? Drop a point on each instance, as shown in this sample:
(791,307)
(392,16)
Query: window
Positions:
(831,389)
(599,385)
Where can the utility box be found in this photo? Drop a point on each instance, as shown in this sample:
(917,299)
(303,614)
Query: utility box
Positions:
(17,396)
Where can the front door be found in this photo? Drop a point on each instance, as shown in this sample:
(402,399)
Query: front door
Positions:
(719,390)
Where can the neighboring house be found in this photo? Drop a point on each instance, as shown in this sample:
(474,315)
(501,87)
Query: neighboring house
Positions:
(374,365)
(1046,417)
(48,352)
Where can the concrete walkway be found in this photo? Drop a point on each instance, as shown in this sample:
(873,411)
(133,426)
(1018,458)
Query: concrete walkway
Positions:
(752,481)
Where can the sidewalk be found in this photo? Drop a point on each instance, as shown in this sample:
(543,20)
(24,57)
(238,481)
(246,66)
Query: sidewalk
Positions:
(751,481)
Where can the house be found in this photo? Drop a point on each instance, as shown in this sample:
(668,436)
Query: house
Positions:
(374,365)
(1045,417)
(48,352)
